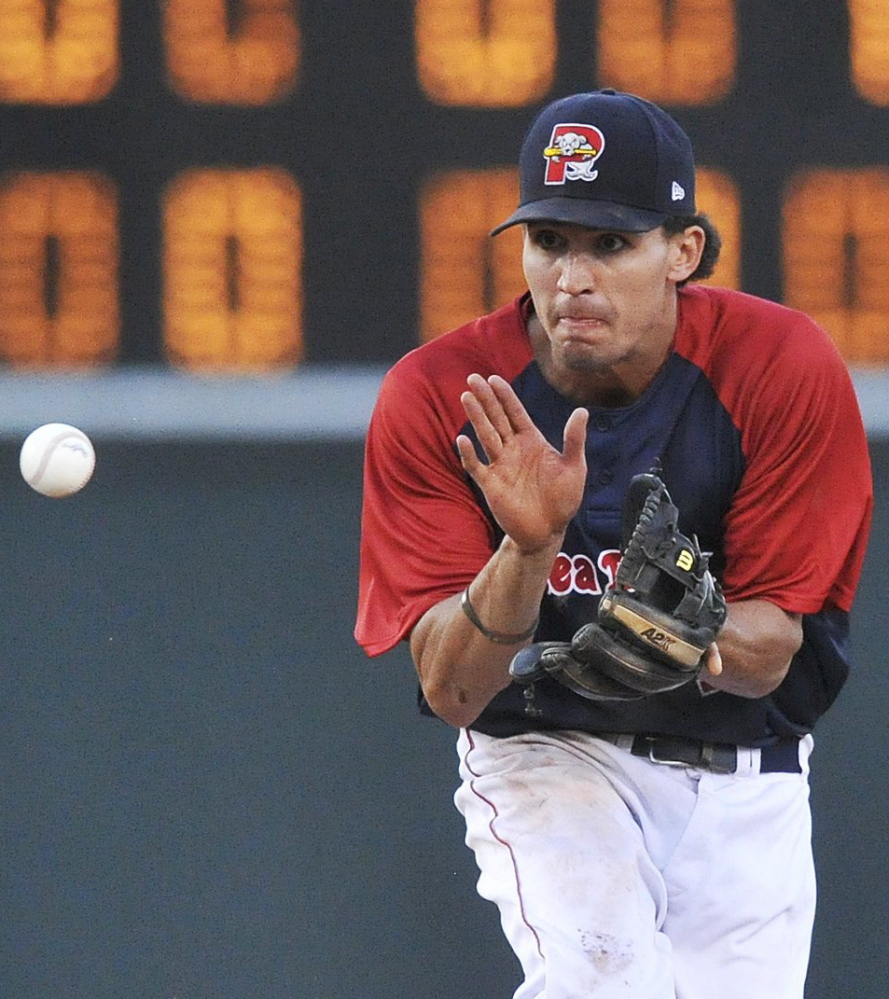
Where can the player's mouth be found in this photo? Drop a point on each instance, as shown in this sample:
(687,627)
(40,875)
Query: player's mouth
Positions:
(582,325)
(581,320)
(581,312)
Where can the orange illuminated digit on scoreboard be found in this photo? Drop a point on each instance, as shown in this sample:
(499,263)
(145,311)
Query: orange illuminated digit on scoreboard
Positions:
(869,49)
(670,51)
(58,52)
(243,53)
(232,259)
(836,257)
(485,53)
(58,269)
(464,272)
(717,196)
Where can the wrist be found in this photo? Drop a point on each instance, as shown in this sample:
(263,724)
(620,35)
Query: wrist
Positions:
(544,551)
(497,637)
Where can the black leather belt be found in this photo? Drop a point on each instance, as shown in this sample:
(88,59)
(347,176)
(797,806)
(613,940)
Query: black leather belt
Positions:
(716,757)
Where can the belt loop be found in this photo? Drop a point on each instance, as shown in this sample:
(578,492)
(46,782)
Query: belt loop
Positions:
(621,741)
(748,762)
(806,746)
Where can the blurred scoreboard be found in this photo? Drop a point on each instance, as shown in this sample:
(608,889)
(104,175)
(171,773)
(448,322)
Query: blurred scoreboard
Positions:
(250,185)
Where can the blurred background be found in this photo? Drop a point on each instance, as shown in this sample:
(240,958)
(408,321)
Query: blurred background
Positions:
(221,221)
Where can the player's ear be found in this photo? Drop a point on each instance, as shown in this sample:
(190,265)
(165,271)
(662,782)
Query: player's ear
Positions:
(686,248)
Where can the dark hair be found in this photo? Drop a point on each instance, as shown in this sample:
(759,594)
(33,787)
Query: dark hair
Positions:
(712,245)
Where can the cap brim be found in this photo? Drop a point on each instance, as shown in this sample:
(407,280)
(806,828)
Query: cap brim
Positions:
(585,212)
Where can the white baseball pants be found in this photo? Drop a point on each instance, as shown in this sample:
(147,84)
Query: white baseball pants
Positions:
(619,878)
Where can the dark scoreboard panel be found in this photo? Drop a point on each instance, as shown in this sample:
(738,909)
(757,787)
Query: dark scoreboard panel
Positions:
(258,184)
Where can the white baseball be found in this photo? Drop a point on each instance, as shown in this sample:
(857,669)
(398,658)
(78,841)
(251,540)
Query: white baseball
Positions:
(57,460)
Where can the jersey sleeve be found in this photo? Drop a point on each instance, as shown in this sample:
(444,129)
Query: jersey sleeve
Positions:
(424,536)
(797,529)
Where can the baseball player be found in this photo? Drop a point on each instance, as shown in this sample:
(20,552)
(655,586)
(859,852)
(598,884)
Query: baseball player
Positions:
(620,522)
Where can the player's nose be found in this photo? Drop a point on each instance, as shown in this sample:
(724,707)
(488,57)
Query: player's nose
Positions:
(577,274)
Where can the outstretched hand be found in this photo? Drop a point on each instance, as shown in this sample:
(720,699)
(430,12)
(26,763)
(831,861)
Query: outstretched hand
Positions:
(532,488)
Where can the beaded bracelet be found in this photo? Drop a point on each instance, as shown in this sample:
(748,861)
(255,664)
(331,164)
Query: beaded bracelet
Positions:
(499,637)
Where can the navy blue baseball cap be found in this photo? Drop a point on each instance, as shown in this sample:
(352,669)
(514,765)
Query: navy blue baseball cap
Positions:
(605,160)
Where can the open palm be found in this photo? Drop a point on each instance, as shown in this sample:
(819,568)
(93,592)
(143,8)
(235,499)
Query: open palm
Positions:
(532,488)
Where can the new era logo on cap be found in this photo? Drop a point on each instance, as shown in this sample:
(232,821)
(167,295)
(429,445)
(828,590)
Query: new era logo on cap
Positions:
(605,160)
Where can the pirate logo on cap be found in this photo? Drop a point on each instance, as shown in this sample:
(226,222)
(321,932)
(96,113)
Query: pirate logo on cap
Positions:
(572,152)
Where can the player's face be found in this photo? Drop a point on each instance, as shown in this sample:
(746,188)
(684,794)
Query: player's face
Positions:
(606,300)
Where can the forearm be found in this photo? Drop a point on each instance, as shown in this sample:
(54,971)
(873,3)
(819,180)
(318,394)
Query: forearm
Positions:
(756,644)
(461,669)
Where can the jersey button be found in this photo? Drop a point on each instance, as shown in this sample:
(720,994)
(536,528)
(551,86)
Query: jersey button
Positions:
(606,476)
(602,423)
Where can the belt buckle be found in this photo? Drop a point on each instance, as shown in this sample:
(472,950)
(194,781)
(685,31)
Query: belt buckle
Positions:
(712,763)
(664,761)
(712,757)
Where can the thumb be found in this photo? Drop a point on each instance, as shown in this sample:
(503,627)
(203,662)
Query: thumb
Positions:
(713,661)
(574,438)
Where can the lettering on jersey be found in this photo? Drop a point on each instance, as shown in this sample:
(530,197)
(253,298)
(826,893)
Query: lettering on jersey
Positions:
(579,574)
(659,639)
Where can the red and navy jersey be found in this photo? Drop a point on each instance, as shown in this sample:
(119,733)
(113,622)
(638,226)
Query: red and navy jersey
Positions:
(754,422)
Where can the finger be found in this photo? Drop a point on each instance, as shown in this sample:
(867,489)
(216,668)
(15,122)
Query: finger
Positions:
(516,415)
(714,660)
(488,435)
(487,415)
(488,392)
(470,461)
(574,439)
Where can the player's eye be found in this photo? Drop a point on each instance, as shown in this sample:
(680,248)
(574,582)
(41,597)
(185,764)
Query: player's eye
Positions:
(610,242)
(546,239)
